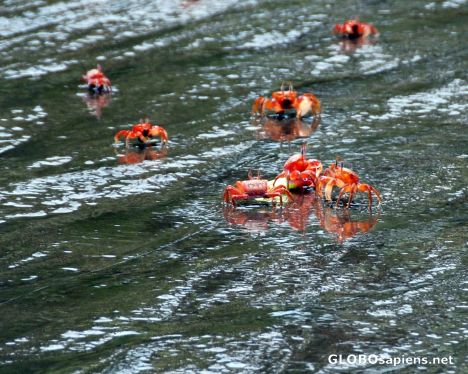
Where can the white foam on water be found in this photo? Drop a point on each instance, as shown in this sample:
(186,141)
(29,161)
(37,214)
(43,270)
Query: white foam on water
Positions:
(271,38)
(51,161)
(54,30)
(13,136)
(453,4)
(443,100)
(373,60)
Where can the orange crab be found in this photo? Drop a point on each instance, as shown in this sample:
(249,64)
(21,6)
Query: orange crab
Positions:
(348,182)
(144,132)
(300,171)
(353,29)
(97,82)
(254,188)
(282,100)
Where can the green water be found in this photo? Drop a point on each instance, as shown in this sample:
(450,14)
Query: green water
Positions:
(137,268)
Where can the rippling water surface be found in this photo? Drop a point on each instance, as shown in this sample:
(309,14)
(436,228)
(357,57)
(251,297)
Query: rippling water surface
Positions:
(127,262)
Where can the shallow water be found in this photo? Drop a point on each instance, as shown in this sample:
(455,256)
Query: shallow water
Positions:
(127,262)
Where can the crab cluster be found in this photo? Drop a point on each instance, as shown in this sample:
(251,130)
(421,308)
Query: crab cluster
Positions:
(298,171)
(302,173)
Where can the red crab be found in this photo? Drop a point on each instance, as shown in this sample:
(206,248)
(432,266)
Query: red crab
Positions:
(300,172)
(281,101)
(345,179)
(353,29)
(144,132)
(97,82)
(254,188)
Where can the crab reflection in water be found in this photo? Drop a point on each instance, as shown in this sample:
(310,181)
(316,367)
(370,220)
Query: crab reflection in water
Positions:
(352,45)
(338,222)
(96,103)
(140,154)
(285,129)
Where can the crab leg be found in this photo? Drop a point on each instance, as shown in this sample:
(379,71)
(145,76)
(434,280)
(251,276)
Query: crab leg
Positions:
(121,134)
(351,195)
(272,196)
(282,190)
(370,189)
(238,197)
(344,190)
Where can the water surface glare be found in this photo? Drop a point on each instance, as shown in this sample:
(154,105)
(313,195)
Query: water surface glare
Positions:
(125,261)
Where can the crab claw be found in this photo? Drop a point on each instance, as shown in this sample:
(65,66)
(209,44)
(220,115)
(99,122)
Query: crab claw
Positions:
(159,131)
(257,107)
(308,103)
(261,104)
